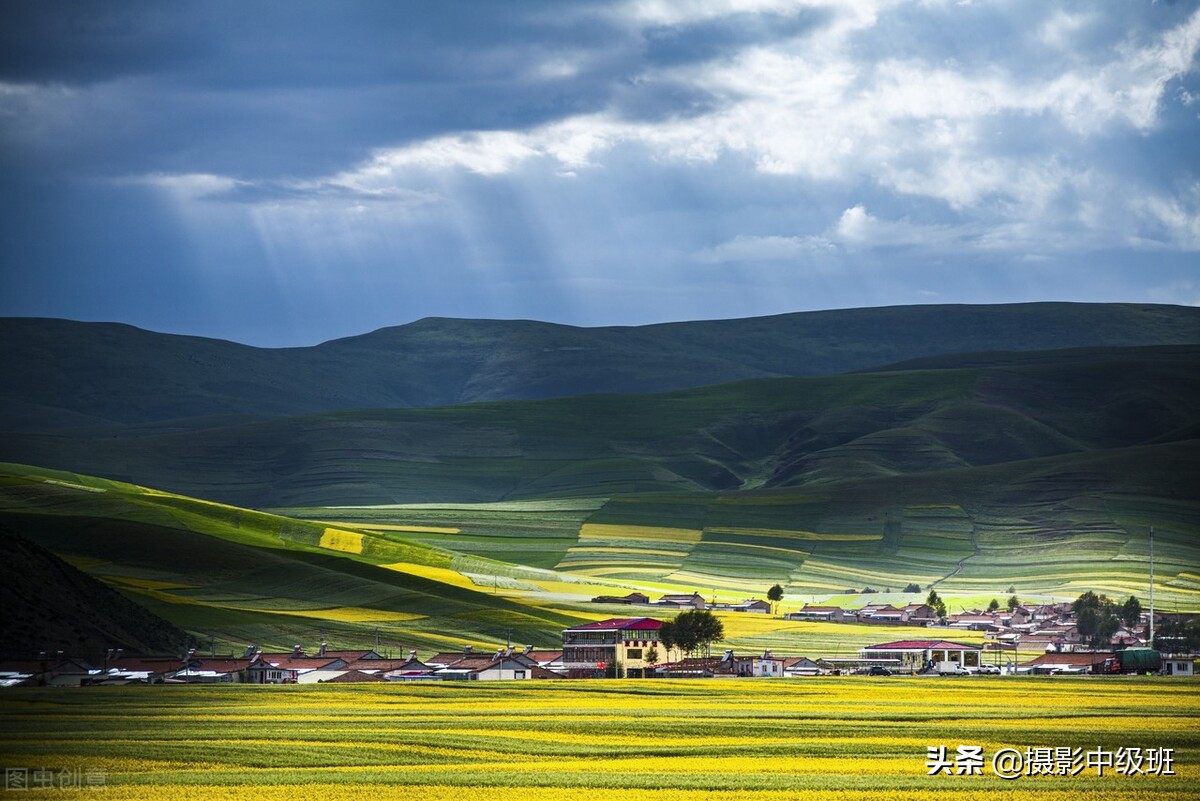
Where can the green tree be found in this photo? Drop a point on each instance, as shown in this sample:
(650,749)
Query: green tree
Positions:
(697,629)
(912,587)
(993,605)
(775,594)
(1131,611)
(1013,602)
(934,601)
(1096,618)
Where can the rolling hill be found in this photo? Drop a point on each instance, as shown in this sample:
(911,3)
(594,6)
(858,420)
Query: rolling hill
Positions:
(241,576)
(753,434)
(62,375)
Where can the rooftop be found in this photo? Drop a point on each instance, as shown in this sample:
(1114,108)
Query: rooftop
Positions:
(620,624)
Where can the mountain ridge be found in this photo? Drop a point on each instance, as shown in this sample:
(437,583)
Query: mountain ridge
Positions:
(63,375)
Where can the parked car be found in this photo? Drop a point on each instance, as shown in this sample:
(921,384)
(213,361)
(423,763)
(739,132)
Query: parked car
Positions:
(990,670)
(877,670)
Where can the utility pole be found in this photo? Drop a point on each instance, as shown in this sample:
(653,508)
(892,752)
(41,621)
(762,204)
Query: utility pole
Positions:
(1152,586)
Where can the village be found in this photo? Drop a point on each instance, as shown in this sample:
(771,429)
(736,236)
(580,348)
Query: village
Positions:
(1019,640)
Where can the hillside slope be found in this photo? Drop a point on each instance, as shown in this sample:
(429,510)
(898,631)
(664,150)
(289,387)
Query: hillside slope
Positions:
(242,576)
(758,433)
(57,374)
(51,606)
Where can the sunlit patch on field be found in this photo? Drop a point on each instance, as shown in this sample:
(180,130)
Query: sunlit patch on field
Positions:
(336,539)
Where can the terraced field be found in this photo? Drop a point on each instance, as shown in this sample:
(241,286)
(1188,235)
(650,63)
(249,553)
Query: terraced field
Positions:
(854,738)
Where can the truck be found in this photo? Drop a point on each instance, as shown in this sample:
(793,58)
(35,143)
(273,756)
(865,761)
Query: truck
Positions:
(951,669)
(1134,660)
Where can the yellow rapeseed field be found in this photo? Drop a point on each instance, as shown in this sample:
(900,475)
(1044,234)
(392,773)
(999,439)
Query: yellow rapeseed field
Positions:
(867,739)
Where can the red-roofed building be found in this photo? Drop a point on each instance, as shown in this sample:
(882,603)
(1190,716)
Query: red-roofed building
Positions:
(921,654)
(620,646)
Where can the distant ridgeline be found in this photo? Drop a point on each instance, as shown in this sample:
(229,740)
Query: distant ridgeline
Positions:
(62,375)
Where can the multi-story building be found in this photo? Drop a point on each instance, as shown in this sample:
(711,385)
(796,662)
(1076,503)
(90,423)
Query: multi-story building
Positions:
(621,647)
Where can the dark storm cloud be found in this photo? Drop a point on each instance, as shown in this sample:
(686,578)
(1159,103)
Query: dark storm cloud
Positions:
(271,89)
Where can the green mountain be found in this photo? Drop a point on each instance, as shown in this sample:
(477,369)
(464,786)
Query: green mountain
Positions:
(59,375)
(752,434)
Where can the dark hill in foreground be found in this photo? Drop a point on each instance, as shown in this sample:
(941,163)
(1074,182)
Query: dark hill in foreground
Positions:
(752,434)
(63,375)
(50,606)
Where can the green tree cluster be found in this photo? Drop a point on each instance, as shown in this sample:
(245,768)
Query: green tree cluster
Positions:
(1096,617)
(696,629)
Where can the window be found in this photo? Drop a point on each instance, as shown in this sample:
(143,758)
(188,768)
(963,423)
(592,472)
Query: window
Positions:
(634,653)
(518,674)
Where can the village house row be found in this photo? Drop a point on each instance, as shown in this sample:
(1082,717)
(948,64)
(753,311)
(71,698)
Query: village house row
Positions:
(1042,639)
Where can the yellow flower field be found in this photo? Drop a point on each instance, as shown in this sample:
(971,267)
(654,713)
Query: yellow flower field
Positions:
(846,737)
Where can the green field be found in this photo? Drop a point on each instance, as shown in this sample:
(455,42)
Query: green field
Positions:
(438,577)
(677,740)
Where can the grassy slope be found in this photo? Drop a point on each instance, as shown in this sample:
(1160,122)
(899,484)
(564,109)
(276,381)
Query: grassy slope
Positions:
(56,373)
(758,433)
(247,576)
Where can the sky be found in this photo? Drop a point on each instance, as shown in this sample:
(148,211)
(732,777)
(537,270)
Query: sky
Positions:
(284,173)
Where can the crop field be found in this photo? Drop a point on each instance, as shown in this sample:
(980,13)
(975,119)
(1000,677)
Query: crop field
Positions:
(856,738)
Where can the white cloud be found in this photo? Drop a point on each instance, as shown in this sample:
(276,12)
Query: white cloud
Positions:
(815,110)
(756,249)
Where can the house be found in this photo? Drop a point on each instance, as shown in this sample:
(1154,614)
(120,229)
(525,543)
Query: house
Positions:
(749,605)
(920,614)
(215,671)
(922,654)
(800,666)
(305,670)
(412,668)
(631,598)
(882,613)
(260,671)
(703,667)
(137,670)
(621,647)
(497,667)
(767,666)
(546,659)
(1069,662)
(974,622)
(53,671)
(695,600)
(826,614)
(1178,666)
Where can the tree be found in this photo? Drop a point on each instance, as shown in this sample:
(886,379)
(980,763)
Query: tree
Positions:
(994,605)
(775,594)
(697,629)
(912,587)
(652,656)
(666,634)
(1096,618)
(1013,602)
(936,603)
(1131,611)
